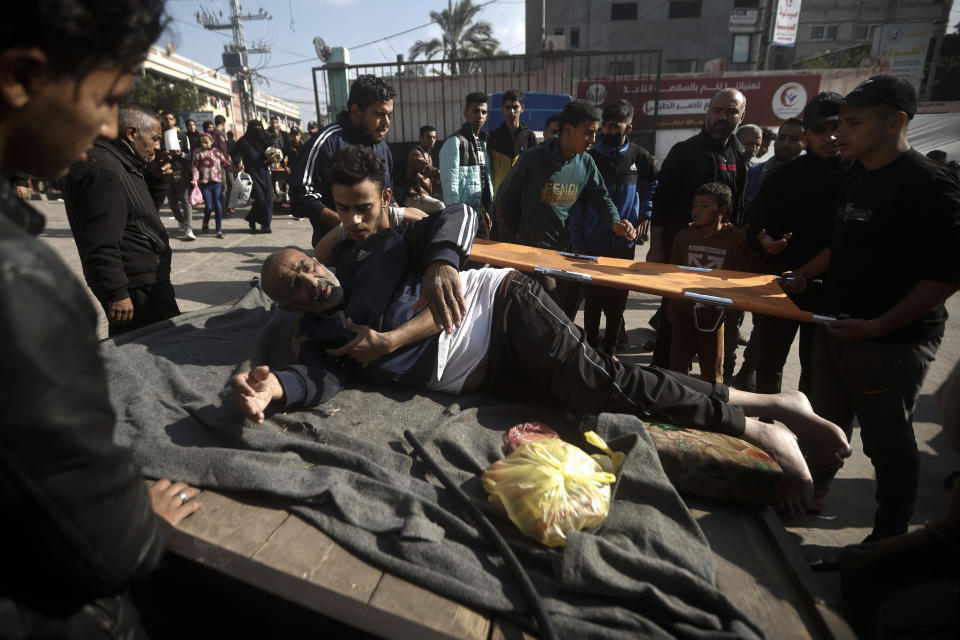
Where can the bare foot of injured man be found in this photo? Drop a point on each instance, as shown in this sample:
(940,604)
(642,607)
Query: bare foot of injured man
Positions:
(825,440)
(796,485)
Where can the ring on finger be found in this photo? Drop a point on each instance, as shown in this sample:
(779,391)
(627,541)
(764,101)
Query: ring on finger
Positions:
(183,497)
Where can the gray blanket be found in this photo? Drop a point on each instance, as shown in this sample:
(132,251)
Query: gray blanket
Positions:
(345,467)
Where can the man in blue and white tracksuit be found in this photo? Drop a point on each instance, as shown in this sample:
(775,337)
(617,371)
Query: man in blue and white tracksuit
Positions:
(630,175)
(365,122)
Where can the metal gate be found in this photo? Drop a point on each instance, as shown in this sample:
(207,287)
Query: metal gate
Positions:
(429,93)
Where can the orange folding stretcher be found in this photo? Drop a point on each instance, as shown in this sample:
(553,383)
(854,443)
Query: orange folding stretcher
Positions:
(758,293)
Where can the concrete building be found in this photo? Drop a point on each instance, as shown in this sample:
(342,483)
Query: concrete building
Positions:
(829,26)
(717,35)
(689,32)
(216,89)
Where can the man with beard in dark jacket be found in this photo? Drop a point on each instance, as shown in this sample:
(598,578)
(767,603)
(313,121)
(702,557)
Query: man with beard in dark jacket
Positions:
(79,523)
(366,122)
(713,155)
(112,202)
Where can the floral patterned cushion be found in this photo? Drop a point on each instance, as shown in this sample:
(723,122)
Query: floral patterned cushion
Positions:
(715,465)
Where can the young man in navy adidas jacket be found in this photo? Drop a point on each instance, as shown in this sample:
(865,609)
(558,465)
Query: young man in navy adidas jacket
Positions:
(366,122)
(630,175)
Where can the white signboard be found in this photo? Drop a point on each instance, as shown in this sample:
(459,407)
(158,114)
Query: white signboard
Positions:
(745,21)
(906,46)
(692,106)
(785,23)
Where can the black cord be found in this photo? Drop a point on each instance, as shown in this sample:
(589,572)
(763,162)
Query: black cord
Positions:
(529,591)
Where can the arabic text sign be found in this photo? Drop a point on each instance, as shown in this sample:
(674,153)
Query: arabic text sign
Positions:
(683,103)
(906,45)
(787,21)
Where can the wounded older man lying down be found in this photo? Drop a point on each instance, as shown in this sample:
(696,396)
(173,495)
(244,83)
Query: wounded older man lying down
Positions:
(512,340)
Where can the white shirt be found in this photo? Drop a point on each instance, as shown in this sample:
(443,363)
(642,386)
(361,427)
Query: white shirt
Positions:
(463,350)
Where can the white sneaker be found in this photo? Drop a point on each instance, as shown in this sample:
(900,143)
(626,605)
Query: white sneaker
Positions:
(188,235)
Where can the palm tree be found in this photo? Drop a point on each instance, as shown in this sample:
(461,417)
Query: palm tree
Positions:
(460,39)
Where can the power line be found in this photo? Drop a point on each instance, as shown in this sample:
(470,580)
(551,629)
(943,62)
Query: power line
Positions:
(294,86)
(367,44)
(287,64)
(196,26)
(289,84)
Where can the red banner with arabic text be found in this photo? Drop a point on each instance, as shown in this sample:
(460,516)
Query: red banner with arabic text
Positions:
(684,100)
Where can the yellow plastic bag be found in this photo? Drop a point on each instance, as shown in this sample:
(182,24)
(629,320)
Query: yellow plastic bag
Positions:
(548,487)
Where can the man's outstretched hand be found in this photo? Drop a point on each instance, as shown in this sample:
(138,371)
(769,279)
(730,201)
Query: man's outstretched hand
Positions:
(254,390)
(442,293)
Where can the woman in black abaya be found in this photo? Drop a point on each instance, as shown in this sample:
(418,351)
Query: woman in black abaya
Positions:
(248,154)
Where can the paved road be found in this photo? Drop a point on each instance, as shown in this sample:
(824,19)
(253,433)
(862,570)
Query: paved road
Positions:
(210,271)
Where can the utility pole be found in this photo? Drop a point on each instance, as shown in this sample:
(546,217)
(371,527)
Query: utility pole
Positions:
(941,32)
(235,56)
(766,35)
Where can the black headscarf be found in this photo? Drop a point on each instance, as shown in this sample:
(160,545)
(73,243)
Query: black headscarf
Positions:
(255,136)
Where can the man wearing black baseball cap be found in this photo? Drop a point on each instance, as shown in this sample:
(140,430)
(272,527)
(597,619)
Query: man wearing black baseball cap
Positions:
(879,90)
(891,263)
(792,220)
(312,129)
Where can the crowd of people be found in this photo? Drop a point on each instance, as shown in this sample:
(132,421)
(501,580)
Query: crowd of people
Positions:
(873,244)
(710,205)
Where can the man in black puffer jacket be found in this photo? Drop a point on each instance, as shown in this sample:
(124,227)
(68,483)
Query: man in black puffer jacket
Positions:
(713,155)
(79,524)
(112,201)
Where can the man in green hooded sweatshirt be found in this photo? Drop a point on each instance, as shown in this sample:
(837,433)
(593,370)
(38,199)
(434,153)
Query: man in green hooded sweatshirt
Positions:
(535,198)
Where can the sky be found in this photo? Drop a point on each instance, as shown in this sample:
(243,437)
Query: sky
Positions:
(346,23)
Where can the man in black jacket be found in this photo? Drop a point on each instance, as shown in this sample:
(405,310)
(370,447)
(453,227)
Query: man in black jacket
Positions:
(510,139)
(277,137)
(79,523)
(890,265)
(112,202)
(713,155)
(791,224)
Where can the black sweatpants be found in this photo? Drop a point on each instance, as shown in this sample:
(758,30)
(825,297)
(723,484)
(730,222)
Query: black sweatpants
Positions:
(879,384)
(769,347)
(732,321)
(536,351)
(611,302)
(566,293)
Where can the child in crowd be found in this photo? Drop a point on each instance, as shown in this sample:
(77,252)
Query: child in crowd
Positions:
(209,168)
(709,243)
